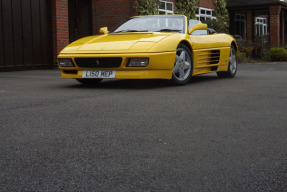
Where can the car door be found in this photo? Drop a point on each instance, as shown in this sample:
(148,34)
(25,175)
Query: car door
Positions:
(209,51)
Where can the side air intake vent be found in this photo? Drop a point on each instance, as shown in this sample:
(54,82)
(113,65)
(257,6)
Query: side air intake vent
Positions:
(209,57)
(215,56)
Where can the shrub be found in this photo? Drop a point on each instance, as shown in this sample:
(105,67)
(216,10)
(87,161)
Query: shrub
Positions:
(248,50)
(187,8)
(241,57)
(147,7)
(266,56)
(214,24)
(278,54)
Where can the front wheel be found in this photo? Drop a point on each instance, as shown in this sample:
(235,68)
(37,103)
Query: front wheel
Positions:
(232,66)
(183,65)
(89,81)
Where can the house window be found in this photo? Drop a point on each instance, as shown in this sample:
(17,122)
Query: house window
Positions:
(240,25)
(165,8)
(261,26)
(204,14)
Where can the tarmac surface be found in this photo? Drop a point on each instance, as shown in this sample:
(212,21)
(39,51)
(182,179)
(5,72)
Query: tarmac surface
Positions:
(144,135)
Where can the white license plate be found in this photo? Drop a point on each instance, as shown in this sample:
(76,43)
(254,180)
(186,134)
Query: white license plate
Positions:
(105,74)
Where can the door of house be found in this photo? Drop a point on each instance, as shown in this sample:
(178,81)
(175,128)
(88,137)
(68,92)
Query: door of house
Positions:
(80,22)
(25,35)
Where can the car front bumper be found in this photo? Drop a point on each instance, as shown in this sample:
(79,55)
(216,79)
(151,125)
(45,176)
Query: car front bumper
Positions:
(160,66)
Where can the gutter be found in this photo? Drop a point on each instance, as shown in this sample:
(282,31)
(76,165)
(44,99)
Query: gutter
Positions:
(255,5)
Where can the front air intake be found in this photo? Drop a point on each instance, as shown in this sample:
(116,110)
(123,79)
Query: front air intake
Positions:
(99,62)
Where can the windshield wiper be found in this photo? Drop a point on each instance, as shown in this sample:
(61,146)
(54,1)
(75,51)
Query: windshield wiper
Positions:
(170,30)
(130,30)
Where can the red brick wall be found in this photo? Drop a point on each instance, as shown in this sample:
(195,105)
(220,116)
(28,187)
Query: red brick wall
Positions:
(275,39)
(207,4)
(111,13)
(174,1)
(60,25)
(283,28)
(249,26)
(94,16)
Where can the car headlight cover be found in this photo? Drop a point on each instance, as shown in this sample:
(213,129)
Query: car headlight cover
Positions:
(138,62)
(66,63)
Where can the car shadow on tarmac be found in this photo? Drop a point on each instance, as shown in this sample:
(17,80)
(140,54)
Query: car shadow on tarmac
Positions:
(141,83)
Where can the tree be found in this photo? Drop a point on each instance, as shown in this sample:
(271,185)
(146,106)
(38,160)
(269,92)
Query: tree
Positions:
(187,8)
(222,16)
(147,7)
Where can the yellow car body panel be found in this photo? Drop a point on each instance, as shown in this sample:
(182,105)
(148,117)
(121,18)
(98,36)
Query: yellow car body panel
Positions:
(160,66)
(159,47)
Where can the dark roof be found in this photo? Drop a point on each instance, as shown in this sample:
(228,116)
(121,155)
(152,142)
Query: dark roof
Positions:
(247,3)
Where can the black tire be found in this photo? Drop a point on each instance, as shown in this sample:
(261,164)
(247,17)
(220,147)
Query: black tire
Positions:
(232,66)
(183,65)
(89,81)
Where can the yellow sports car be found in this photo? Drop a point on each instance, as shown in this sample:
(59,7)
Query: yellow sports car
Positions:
(150,47)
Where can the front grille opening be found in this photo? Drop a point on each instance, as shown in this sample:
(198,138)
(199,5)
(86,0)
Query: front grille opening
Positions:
(75,72)
(214,68)
(99,62)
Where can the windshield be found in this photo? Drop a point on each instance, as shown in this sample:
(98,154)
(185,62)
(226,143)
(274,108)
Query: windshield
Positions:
(153,24)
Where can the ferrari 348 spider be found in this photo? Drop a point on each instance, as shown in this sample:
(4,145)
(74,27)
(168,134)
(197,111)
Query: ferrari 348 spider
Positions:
(150,47)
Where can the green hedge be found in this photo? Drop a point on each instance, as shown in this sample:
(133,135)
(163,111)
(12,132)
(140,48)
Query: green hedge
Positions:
(278,54)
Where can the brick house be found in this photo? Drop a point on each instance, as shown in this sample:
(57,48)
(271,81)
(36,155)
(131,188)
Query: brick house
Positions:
(264,21)
(33,32)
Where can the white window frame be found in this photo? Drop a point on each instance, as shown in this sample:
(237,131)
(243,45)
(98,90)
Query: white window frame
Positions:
(241,19)
(204,15)
(261,26)
(165,10)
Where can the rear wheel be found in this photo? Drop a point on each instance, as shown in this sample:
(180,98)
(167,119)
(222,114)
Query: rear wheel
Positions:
(232,66)
(89,81)
(183,66)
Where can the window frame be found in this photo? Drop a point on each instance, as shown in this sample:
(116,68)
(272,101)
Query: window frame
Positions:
(261,26)
(204,15)
(165,10)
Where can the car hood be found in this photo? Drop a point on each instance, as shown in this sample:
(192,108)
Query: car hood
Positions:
(116,42)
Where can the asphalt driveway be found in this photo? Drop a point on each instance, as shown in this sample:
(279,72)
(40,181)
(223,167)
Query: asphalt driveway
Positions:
(144,135)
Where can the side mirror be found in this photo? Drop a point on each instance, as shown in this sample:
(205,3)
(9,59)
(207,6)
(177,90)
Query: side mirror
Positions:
(198,27)
(104,30)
